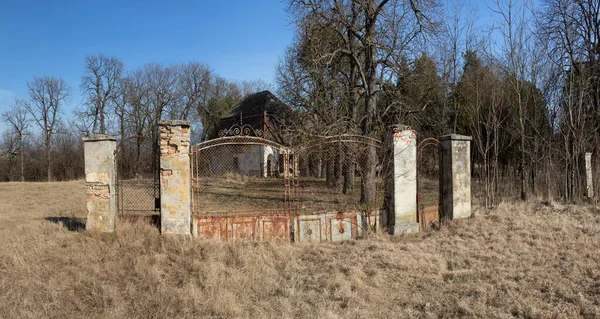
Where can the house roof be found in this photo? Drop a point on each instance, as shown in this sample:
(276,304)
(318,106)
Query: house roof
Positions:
(261,111)
(256,104)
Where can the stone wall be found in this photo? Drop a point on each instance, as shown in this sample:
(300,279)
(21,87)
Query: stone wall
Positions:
(175,183)
(100,179)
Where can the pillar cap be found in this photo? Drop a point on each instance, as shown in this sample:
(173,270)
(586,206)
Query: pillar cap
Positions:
(455,137)
(399,127)
(175,123)
(99,137)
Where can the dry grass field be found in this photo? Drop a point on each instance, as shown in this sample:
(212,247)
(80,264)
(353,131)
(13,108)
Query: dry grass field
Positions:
(520,260)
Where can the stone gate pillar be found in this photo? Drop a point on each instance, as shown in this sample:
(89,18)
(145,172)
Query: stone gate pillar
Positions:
(175,178)
(100,179)
(456,176)
(589,182)
(402,214)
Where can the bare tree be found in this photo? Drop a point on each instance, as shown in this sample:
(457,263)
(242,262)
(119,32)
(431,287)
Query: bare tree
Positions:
(17,118)
(99,85)
(372,34)
(572,33)
(194,84)
(515,31)
(47,95)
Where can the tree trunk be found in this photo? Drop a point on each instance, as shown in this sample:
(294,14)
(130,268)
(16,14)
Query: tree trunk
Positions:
(330,171)
(338,166)
(49,159)
(22,159)
(102,125)
(368,171)
(522,160)
(349,172)
(368,183)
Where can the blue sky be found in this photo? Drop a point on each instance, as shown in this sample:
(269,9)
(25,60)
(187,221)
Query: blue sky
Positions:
(239,40)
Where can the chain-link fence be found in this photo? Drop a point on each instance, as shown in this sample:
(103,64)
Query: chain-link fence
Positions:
(340,174)
(250,175)
(137,176)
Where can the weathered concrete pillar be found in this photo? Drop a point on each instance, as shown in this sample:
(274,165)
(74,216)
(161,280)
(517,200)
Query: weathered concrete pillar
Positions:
(175,185)
(456,176)
(402,215)
(100,178)
(589,184)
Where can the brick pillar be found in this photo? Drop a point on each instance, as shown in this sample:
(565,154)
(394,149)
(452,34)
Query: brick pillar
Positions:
(456,176)
(100,179)
(402,214)
(589,184)
(175,186)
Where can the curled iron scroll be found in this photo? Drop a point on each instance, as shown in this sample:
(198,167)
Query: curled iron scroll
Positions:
(245,130)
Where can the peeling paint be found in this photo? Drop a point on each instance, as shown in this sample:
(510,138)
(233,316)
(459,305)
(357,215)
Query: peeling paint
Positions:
(317,227)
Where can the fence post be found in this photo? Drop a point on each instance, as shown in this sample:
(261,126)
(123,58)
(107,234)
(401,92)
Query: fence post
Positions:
(456,176)
(402,214)
(100,179)
(589,184)
(175,184)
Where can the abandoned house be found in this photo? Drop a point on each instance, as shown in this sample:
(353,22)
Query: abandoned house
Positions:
(260,115)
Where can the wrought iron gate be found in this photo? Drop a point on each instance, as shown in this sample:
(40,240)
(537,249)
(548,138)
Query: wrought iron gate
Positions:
(138,179)
(241,188)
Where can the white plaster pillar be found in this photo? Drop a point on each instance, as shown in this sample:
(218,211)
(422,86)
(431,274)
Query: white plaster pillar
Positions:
(100,179)
(589,184)
(175,178)
(402,214)
(456,176)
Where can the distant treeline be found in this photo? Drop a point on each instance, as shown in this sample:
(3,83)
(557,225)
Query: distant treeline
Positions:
(43,141)
(526,88)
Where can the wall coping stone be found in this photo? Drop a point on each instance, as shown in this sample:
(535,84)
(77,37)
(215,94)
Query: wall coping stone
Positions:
(456,137)
(175,123)
(99,137)
(399,127)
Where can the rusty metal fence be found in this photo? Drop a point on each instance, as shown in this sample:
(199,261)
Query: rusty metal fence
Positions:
(251,187)
(240,175)
(340,173)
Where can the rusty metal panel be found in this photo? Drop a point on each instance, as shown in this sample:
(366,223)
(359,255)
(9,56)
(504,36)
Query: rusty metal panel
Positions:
(342,226)
(317,227)
(242,228)
(211,227)
(311,228)
(275,227)
(261,227)
(430,214)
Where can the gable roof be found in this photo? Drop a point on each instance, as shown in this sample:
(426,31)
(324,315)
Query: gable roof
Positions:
(256,104)
(261,111)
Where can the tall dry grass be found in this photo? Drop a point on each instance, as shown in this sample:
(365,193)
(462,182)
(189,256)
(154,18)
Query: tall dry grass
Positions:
(521,260)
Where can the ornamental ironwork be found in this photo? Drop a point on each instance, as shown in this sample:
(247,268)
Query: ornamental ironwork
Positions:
(241,130)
